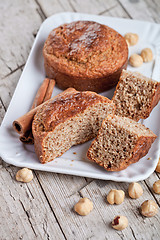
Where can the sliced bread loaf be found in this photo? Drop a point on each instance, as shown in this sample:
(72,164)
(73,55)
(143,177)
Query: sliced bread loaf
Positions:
(69,119)
(120,142)
(136,95)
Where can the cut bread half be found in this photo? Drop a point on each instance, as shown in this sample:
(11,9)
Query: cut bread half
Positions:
(136,95)
(69,119)
(120,142)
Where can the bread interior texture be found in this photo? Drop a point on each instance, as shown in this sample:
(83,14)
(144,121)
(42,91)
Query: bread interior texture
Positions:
(75,130)
(134,95)
(116,141)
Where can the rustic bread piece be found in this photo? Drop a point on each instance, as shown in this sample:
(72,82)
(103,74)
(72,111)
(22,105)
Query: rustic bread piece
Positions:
(120,142)
(85,55)
(69,119)
(136,95)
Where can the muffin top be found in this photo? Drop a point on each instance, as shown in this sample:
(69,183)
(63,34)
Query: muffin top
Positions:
(64,106)
(86,47)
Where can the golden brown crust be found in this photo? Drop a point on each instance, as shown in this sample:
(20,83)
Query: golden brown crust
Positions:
(39,136)
(85,55)
(38,145)
(141,149)
(58,110)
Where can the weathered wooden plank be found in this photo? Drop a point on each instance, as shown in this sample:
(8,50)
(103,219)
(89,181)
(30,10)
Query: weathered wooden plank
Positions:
(149,183)
(97,224)
(74,226)
(24,211)
(97,190)
(54,6)
(116,11)
(2,110)
(18,30)
(110,8)
(8,85)
(142,9)
(87,6)
(66,193)
(94,7)
(154,7)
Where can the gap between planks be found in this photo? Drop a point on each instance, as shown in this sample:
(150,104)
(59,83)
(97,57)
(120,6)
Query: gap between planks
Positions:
(50,205)
(13,71)
(40,11)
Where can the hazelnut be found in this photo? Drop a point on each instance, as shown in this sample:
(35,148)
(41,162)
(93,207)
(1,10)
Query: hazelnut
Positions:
(115,196)
(24,175)
(131,38)
(149,208)
(158,166)
(135,190)
(147,55)
(84,206)
(135,60)
(156,187)
(120,222)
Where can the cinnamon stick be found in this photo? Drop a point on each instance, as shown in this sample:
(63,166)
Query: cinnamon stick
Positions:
(44,93)
(49,90)
(24,123)
(40,95)
(27,137)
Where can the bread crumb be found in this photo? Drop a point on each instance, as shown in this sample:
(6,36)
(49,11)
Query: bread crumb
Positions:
(149,158)
(74,153)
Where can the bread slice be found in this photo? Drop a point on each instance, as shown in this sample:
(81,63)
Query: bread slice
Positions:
(136,95)
(69,119)
(120,142)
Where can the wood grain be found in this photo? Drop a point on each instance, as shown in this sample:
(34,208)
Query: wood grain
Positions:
(43,209)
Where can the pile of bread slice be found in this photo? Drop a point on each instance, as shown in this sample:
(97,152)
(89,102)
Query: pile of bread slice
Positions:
(74,117)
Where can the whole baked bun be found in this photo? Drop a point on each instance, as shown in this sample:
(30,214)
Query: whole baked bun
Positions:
(85,55)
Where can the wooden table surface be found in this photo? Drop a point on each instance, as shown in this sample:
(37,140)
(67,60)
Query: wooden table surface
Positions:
(43,208)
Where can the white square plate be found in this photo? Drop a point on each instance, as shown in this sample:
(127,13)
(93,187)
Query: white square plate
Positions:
(14,152)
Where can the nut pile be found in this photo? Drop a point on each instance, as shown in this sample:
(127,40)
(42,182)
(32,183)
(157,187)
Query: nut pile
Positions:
(136,60)
(84,206)
(149,208)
